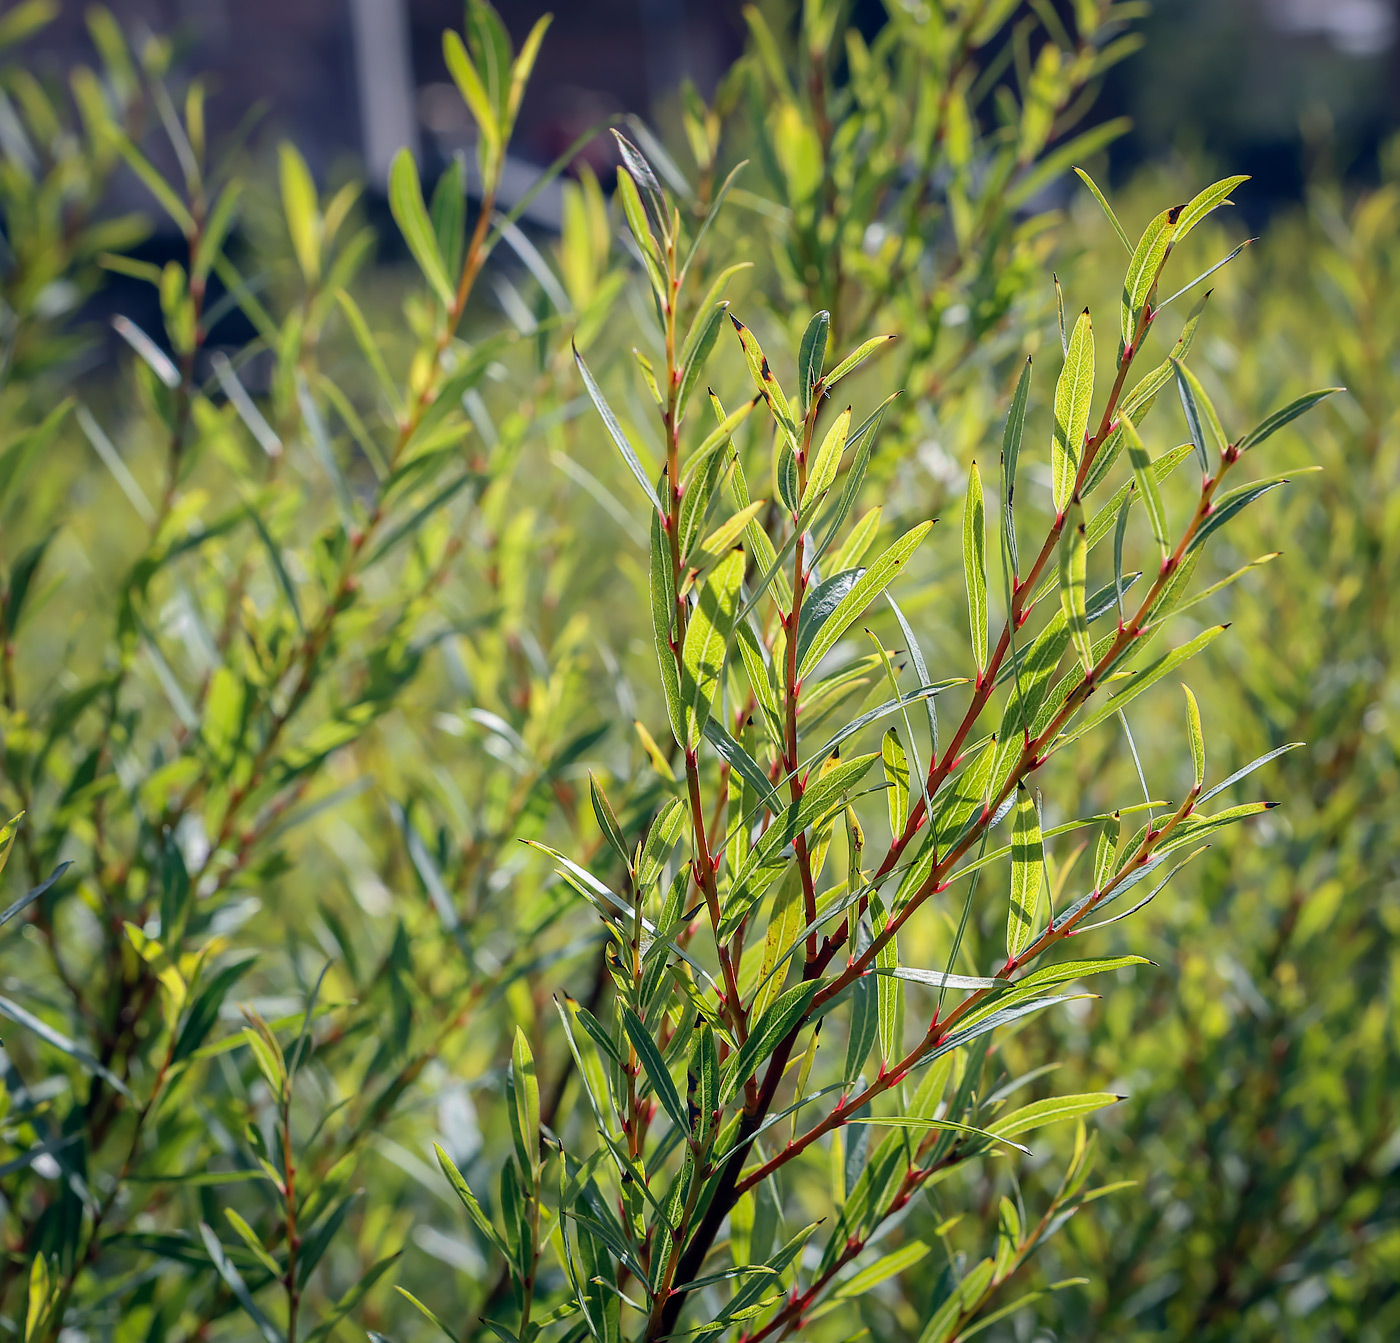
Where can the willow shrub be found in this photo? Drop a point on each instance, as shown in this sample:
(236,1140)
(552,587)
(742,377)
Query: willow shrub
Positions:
(338,622)
(1262,1122)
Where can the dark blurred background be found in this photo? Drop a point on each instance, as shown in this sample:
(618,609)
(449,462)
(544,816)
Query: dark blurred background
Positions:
(1255,85)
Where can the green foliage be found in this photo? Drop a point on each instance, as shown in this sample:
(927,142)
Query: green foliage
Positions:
(300,641)
(1261,1127)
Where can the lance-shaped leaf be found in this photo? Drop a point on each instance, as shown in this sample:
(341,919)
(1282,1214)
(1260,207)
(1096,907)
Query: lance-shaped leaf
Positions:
(891,992)
(624,446)
(865,1026)
(864,591)
(1146,481)
(942,979)
(1010,451)
(1027,874)
(1229,506)
(828,460)
(1106,208)
(1279,418)
(62,1043)
(1205,274)
(706,641)
(1106,852)
(1201,420)
(1074,395)
(1039,1113)
(772,1026)
(1074,555)
(607,818)
(1248,770)
(765,380)
(1198,741)
(1202,204)
(854,360)
(702,1081)
(525,1106)
(731,529)
(234,1280)
(784,930)
(696,352)
(663,605)
(1197,826)
(469,1201)
(641,173)
(897,778)
(897,1262)
(742,763)
(975,566)
(655,1068)
(811,355)
(1147,260)
(34,892)
(1147,676)
(411,215)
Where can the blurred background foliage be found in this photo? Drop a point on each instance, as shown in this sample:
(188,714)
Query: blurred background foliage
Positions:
(158,532)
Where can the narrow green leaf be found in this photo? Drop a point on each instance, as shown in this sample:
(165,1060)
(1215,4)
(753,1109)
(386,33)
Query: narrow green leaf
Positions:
(897,1262)
(1039,1113)
(855,359)
(1074,395)
(34,892)
(891,994)
(1279,418)
(1106,852)
(897,777)
(663,606)
(655,1069)
(650,189)
(1198,741)
(1106,208)
(1074,552)
(1142,269)
(1201,419)
(871,583)
(1146,481)
(729,531)
(1248,770)
(1027,874)
(1010,451)
(231,1276)
(975,566)
(811,355)
(1212,198)
(1205,274)
(1228,507)
(469,1201)
(764,379)
(787,1010)
(629,454)
(1147,676)
(62,1043)
(693,357)
(299,204)
(828,460)
(706,642)
(865,1027)
(464,75)
(250,1238)
(411,215)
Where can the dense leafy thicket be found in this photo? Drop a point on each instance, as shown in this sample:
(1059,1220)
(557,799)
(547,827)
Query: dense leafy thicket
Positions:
(1262,1125)
(302,638)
